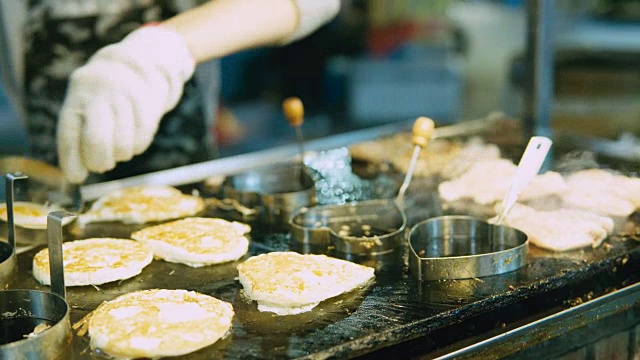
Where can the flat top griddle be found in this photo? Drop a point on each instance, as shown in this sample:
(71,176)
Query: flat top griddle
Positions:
(395,310)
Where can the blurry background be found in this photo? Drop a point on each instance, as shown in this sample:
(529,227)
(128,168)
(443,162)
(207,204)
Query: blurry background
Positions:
(382,61)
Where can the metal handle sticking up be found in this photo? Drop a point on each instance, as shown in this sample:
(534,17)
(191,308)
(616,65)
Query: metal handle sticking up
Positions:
(528,167)
(422,132)
(294,112)
(54,243)
(9,194)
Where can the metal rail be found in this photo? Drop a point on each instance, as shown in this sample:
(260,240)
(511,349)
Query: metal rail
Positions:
(554,325)
(239,163)
(235,164)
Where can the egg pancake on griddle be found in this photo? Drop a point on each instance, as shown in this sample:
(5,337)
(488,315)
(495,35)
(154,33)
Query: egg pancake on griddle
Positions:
(95,261)
(603,191)
(157,323)
(561,229)
(143,204)
(288,283)
(30,215)
(196,241)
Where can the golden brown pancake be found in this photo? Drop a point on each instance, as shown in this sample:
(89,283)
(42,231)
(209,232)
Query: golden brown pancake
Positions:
(30,215)
(444,157)
(95,261)
(196,241)
(156,323)
(288,283)
(143,204)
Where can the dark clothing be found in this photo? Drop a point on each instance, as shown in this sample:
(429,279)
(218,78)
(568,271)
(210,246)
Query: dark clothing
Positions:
(61,36)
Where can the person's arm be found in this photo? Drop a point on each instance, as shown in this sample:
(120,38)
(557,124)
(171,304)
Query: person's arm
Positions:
(223,27)
(115,102)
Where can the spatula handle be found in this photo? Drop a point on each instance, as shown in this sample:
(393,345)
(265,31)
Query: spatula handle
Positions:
(528,167)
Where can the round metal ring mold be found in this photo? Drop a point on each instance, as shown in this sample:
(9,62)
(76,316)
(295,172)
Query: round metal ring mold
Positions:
(371,227)
(460,247)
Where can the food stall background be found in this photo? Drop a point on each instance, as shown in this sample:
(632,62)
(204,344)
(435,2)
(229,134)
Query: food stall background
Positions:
(383,61)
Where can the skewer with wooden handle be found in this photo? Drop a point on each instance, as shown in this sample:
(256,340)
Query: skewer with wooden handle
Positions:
(294,112)
(422,132)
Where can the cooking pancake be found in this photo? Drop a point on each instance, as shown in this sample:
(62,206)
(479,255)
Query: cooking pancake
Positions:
(444,157)
(560,230)
(603,191)
(288,283)
(488,181)
(30,215)
(447,158)
(474,150)
(602,202)
(143,204)
(382,150)
(95,261)
(434,157)
(196,241)
(157,323)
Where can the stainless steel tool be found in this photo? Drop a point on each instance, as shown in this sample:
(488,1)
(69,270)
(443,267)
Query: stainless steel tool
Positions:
(271,194)
(459,247)
(46,187)
(371,227)
(46,183)
(8,261)
(35,324)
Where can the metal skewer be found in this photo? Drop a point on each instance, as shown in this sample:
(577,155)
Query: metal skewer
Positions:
(422,132)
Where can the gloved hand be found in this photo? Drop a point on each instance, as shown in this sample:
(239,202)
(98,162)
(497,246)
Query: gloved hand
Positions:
(115,102)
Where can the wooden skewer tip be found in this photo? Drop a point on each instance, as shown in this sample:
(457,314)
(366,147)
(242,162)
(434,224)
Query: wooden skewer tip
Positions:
(422,130)
(293,110)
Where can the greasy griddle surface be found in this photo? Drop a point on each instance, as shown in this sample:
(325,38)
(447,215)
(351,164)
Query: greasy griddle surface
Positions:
(394,309)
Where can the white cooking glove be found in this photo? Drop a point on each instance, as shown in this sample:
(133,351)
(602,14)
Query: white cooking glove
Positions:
(115,102)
